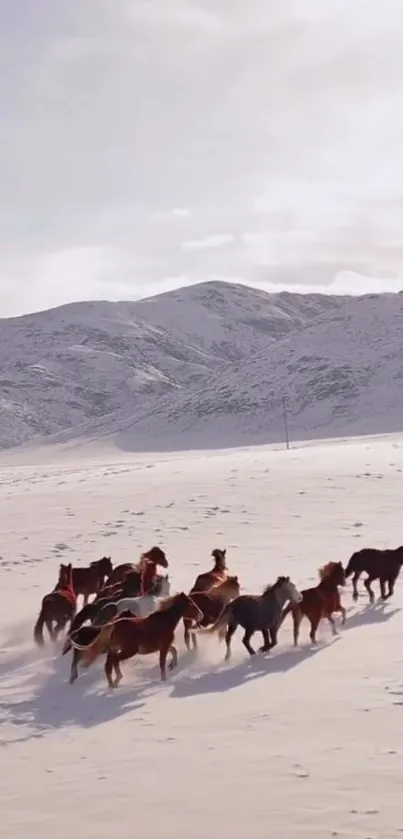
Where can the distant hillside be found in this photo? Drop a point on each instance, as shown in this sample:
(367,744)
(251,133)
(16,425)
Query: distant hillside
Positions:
(340,374)
(93,367)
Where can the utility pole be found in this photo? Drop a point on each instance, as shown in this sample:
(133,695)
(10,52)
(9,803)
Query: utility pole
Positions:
(286,434)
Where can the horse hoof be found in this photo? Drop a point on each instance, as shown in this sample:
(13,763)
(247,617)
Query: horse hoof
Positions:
(264,649)
(355,597)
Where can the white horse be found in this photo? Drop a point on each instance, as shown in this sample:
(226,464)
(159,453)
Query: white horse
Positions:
(142,606)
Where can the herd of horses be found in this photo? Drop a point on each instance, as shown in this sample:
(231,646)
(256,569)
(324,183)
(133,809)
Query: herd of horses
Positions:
(133,611)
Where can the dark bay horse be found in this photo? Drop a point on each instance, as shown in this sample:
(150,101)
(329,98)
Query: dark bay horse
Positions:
(149,562)
(319,602)
(89,580)
(57,607)
(126,637)
(256,613)
(217,575)
(379,565)
(211,604)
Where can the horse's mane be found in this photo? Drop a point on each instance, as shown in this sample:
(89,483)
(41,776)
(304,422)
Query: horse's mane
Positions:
(271,586)
(167,602)
(326,570)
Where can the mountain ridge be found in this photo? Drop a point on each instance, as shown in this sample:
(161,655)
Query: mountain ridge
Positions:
(188,366)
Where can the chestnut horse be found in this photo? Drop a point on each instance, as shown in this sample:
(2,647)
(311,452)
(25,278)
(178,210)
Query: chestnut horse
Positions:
(211,604)
(319,602)
(206,581)
(89,580)
(126,637)
(149,562)
(58,606)
(380,565)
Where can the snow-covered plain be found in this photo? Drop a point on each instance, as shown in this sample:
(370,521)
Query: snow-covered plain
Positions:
(297,744)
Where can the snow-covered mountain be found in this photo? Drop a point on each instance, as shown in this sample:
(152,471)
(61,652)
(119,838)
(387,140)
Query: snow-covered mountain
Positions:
(95,365)
(208,365)
(340,374)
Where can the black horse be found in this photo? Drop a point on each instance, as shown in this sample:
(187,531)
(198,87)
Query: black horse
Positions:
(379,565)
(256,613)
(131,587)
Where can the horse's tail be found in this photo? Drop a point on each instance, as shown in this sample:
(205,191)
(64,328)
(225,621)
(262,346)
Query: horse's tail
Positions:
(221,623)
(92,651)
(38,628)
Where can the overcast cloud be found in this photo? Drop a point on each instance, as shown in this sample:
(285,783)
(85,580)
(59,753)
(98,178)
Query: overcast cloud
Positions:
(151,143)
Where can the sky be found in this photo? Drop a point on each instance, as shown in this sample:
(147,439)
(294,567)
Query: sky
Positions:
(147,144)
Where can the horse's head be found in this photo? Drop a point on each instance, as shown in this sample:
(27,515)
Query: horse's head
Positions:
(288,589)
(104,565)
(334,573)
(232,587)
(219,557)
(65,576)
(156,555)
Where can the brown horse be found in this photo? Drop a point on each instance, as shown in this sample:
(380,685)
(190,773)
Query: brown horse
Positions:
(319,602)
(206,581)
(126,637)
(58,606)
(149,561)
(89,580)
(211,603)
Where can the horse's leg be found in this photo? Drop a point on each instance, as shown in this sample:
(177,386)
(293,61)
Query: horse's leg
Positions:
(273,635)
(187,633)
(296,618)
(367,584)
(315,620)
(85,598)
(266,642)
(332,624)
(391,583)
(174,660)
(58,628)
(164,649)
(356,577)
(111,664)
(246,641)
(232,627)
(343,614)
(382,586)
(194,641)
(74,666)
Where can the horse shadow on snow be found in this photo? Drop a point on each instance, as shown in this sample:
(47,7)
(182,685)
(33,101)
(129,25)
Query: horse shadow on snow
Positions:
(223,677)
(55,704)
